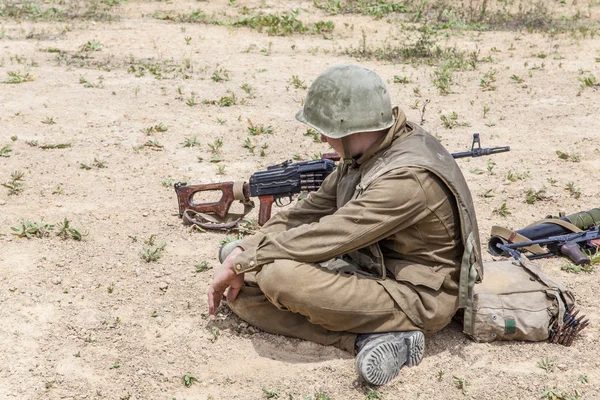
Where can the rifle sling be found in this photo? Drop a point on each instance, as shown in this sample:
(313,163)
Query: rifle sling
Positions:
(514,237)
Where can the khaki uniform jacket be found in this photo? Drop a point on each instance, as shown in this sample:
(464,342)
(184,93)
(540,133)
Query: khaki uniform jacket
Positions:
(395,219)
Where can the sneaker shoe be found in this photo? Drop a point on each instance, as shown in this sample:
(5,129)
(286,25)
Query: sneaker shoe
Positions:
(226,249)
(381,356)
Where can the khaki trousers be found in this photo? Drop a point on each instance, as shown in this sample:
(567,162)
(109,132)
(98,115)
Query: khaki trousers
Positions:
(310,302)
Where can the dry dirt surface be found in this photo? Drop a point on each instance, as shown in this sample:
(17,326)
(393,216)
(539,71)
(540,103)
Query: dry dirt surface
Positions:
(104,105)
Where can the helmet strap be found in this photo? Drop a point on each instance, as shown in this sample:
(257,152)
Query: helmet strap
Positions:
(347,156)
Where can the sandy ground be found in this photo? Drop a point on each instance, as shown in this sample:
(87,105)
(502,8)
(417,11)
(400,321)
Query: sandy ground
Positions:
(91,320)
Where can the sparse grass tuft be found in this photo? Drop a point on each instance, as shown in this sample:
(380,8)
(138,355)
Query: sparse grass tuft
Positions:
(451,120)
(15,184)
(502,211)
(17,77)
(254,130)
(30,229)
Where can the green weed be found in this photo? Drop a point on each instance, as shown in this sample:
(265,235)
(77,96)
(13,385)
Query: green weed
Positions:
(65,231)
(502,211)
(532,195)
(461,383)
(153,252)
(575,192)
(451,120)
(5,150)
(271,393)
(30,229)
(191,142)
(201,267)
(547,364)
(254,130)
(91,45)
(189,379)
(17,77)
(220,75)
(297,82)
(568,157)
(15,184)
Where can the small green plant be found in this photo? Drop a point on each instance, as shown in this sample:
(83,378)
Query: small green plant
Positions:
(556,394)
(588,81)
(316,136)
(65,231)
(547,364)
(401,79)
(15,184)
(576,269)
(156,128)
(187,39)
(249,145)
(297,82)
(373,394)
(254,130)
(271,393)
(461,383)
(514,176)
(502,211)
(84,166)
(247,88)
(583,379)
(215,147)
(441,374)
(201,267)
(487,80)
(575,192)
(220,75)
(4,151)
(191,142)
(568,157)
(115,365)
(152,144)
(263,149)
(92,45)
(153,252)
(451,120)
(52,146)
(88,84)
(220,170)
(227,101)
(487,193)
(189,379)
(486,110)
(442,78)
(191,101)
(49,121)
(532,195)
(17,77)
(99,163)
(490,166)
(516,79)
(30,229)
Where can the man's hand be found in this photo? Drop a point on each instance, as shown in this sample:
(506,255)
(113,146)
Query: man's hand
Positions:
(223,278)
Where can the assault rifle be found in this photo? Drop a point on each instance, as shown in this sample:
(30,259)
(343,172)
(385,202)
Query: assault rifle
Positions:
(278,182)
(569,245)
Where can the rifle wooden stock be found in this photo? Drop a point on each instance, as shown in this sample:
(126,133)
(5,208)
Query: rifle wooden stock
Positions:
(220,208)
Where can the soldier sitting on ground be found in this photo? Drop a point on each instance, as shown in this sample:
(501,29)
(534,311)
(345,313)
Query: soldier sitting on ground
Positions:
(385,250)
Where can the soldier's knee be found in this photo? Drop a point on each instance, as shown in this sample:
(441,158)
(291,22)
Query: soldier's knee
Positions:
(278,277)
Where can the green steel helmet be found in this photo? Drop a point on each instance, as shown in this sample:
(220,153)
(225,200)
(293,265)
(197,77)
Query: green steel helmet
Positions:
(347,99)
